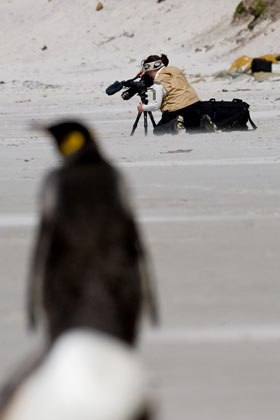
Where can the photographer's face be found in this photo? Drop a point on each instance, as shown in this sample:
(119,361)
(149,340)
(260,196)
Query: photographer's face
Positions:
(152,73)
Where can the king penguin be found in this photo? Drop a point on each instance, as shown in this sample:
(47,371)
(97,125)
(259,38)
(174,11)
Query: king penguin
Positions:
(89,265)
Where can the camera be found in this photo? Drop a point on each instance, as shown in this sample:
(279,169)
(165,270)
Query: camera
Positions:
(134,86)
(138,87)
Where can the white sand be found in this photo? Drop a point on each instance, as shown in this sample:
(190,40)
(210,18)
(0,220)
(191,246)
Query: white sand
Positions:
(210,214)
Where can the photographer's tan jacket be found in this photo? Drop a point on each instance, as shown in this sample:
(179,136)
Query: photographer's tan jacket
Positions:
(179,91)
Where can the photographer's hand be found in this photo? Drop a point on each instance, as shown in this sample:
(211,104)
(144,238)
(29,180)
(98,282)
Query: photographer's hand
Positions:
(140,73)
(140,107)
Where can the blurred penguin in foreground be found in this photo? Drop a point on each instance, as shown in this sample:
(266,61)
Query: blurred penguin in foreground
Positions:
(89,262)
(84,376)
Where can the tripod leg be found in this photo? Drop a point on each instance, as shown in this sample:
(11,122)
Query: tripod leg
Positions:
(135,123)
(152,118)
(145,123)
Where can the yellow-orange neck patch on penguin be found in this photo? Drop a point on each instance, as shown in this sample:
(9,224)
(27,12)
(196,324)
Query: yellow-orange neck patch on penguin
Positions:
(72,143)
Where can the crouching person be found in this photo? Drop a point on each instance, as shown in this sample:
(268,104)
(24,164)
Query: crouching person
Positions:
(172,94)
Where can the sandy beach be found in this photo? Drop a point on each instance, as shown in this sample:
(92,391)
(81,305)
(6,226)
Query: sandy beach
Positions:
(208,204)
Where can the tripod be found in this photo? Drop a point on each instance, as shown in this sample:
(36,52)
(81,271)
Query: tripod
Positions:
(144,99)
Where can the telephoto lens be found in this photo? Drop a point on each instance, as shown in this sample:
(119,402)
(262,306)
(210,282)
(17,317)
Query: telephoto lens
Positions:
(127,94)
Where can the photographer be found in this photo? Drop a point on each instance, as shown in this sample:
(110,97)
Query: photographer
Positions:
(172,94)
(176,98)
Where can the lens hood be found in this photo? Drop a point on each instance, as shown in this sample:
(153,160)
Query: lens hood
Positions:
(114,88)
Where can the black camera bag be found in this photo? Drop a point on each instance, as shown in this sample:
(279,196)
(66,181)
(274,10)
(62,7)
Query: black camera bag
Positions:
(259,64)
(228,115)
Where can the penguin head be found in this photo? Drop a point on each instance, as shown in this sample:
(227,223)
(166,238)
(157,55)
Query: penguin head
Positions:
(71,137)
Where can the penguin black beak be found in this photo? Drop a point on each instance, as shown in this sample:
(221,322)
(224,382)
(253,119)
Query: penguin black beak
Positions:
(35,126)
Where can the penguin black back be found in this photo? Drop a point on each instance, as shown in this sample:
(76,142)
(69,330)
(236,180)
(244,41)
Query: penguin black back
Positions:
(88,259)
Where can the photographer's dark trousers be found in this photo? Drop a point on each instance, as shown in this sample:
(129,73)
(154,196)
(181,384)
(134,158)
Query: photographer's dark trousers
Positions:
(191,115)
